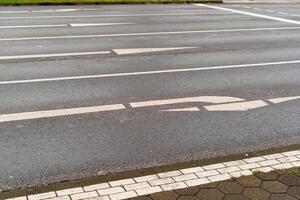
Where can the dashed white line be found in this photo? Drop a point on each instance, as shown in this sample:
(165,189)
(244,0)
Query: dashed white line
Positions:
(283,99)
(115,15)
(250,14)
(283,13)
(57,113)
(205,99)
(149,72)
(147,34)
(34,26)
(13,11)
(55,10)
(147,50)
(64,25)
(52,55)
(240,106)
(224,103)
(97,24)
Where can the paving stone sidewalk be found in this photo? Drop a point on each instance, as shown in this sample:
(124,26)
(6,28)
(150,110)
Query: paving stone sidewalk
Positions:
(275,185)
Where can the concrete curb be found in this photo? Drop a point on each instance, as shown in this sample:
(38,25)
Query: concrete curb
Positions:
(176,179)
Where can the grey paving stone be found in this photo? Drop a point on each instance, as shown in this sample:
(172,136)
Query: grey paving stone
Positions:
(256,194)
(295,191)
(289,180)
(169,195)
(235,197)
(271,176)
(230,187)
(249,181)
(282,197)
(187,191)
(210,194)
(274,187)
(187,198)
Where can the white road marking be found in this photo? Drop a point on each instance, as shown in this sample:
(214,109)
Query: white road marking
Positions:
(65,25)
(271,11)
(240,106)
(13,11)
(283,13)
(191,109)
(283,99)
(250,14)
(147,50)
(204,99)
(55,10)
(97,24)
(52,55)
(116,15)
(227,104)
(34,26)
(148,72)
(57,113)
(147,34)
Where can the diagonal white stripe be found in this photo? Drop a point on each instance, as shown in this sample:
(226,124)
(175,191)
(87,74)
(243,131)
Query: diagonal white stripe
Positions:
(251,14)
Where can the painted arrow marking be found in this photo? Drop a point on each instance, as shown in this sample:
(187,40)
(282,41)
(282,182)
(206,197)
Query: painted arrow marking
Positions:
(204,99)
(240,106)
(223,104)
(148,50)
(284,99)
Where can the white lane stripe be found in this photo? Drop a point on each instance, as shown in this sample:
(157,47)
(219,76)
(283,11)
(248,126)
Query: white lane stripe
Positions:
(147,50)
(55,10)
(34,26)
(205,99)
(65,25)
(97,24)
(53,55)
(60,112)
(147,34)
(240,106)
(120,15)
(149,72)
(13,11)
(283,99)
(251,14)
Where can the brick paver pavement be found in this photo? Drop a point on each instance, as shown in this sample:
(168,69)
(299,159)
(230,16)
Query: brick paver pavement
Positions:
(275,185)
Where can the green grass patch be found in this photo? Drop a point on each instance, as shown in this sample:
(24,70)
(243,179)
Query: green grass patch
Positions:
(73,2)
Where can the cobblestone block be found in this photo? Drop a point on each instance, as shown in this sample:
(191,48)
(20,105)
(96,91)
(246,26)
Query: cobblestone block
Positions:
(230,187)
(249,181)
(210,194)
(256,194)
(170,195)
(188,191)
(274,187)
(282,197)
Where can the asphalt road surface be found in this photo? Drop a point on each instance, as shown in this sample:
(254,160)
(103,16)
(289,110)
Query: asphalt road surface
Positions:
(88,90)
